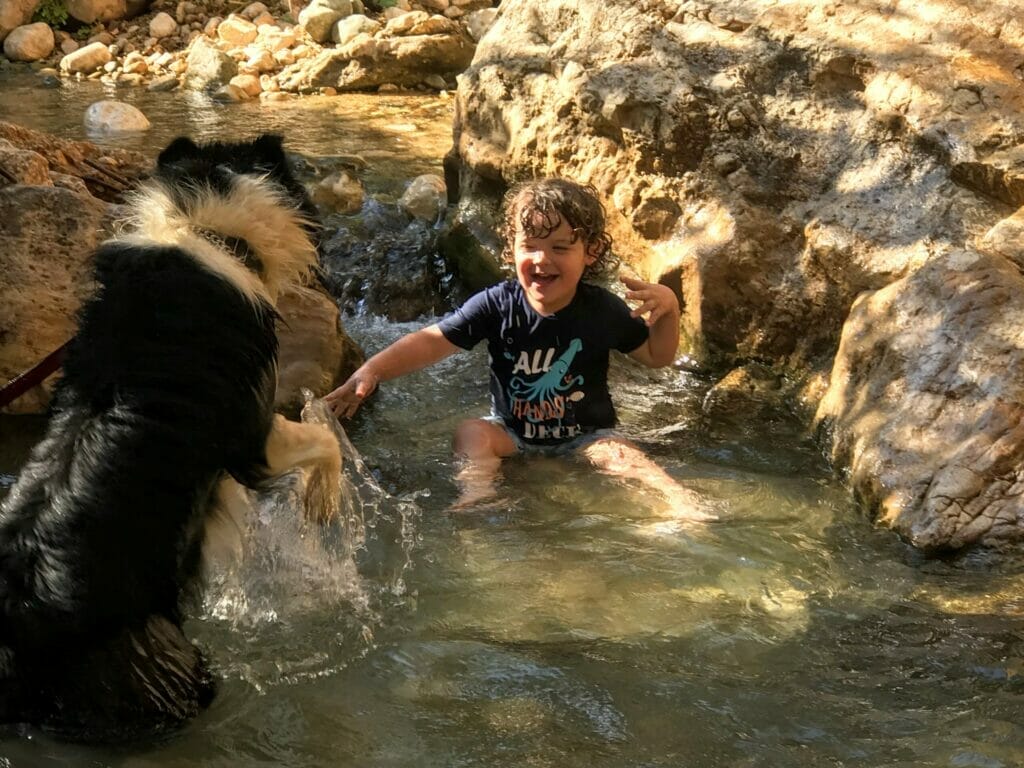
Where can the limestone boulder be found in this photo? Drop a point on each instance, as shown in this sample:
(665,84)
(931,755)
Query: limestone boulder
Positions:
(402,61)
(346,29)
(162,25)
(425,198)
(924,407)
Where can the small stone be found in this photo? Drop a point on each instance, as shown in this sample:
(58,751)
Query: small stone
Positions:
(726,163)
(163,84)
(162,25)
(228,94)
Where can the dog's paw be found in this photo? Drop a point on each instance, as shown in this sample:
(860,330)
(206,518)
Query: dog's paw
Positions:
(322,498)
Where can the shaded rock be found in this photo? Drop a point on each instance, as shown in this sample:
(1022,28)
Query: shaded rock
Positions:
(386,270)
(425,198)
(48,234)
(22,166)
(315,351)
(90,11)
(472,248)
(478,22)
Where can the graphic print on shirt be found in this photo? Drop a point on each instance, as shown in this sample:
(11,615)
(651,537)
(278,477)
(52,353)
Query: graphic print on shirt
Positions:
(543,398)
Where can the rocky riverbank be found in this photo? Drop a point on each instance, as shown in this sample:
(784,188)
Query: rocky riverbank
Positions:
(255,50)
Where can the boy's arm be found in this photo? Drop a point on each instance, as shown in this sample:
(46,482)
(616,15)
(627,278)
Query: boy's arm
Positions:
(661,306)
(410,353)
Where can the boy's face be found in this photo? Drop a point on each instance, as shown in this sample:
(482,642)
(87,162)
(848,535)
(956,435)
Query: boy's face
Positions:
(549,268)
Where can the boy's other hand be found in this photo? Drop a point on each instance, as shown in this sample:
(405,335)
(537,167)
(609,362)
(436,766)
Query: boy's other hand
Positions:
(656,301)
(346,399)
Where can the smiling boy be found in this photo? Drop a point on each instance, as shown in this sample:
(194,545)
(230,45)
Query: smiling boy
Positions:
(549,334)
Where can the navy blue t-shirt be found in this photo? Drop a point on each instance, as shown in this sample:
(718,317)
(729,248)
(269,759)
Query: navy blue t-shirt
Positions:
(549,374)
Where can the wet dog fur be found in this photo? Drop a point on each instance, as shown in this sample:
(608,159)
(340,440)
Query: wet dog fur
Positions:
(164,410)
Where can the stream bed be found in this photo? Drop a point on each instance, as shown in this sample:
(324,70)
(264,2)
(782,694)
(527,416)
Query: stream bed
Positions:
(568,624)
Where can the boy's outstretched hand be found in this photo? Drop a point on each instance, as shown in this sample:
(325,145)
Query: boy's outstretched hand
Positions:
(346,399)
(657,301)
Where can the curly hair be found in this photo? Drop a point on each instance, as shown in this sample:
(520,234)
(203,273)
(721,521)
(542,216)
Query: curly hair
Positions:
(538,207)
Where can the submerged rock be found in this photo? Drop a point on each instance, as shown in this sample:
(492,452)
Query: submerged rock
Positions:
(106,117)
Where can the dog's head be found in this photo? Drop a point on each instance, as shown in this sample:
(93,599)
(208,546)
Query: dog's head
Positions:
(237,207)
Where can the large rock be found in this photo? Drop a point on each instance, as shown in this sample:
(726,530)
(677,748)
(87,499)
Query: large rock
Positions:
(15,13)
(208,67)
(404,61)
(925,407)
(106,172)
(48,234)
(29,43)
(315,352)
(779,159)
(23,166)
(91,11)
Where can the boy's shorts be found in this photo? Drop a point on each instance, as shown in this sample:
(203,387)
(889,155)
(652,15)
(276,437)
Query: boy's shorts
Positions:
(557,449)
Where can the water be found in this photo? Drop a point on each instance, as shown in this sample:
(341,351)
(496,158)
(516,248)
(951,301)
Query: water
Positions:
(400,136)
(568,626)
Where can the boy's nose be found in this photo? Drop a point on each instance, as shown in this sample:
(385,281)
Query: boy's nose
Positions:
(539,254)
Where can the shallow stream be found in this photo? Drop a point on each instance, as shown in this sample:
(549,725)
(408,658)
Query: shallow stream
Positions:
(569,624)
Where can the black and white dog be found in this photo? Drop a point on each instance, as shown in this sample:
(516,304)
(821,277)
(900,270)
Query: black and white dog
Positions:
(164,411)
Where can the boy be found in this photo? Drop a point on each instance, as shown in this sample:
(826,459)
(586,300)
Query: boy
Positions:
(548,335)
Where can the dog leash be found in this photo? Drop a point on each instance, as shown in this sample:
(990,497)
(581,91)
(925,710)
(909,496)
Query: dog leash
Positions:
(23,382)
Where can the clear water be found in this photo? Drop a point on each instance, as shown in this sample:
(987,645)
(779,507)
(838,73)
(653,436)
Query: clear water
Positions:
(566,627)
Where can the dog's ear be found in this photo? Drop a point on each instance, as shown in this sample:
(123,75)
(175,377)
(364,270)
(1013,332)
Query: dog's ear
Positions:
(269,148)
(180,148)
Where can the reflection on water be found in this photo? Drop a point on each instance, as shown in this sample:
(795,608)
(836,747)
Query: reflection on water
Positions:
(400,136)
(566,627)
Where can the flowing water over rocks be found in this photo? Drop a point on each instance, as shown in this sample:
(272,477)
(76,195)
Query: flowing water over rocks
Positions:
(569,624)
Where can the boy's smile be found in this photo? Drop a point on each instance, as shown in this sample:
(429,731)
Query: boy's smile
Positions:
(549,268)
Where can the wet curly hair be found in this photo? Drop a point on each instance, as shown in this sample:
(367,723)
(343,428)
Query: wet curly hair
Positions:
(538,207)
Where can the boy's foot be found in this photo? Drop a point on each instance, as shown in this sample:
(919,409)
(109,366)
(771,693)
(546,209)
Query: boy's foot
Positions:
(477,482)
(685,506)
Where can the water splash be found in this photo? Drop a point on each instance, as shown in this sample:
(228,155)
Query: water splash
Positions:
(338,582)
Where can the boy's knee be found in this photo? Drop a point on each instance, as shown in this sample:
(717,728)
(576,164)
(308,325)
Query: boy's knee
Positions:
(476,438)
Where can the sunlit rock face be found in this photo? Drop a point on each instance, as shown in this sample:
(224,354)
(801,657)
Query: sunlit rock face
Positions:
(774,161)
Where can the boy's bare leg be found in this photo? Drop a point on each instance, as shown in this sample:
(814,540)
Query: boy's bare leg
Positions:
(619,457)
(481,445)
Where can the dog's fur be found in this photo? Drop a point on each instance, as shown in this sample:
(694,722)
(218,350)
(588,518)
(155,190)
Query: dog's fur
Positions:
(164,406)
